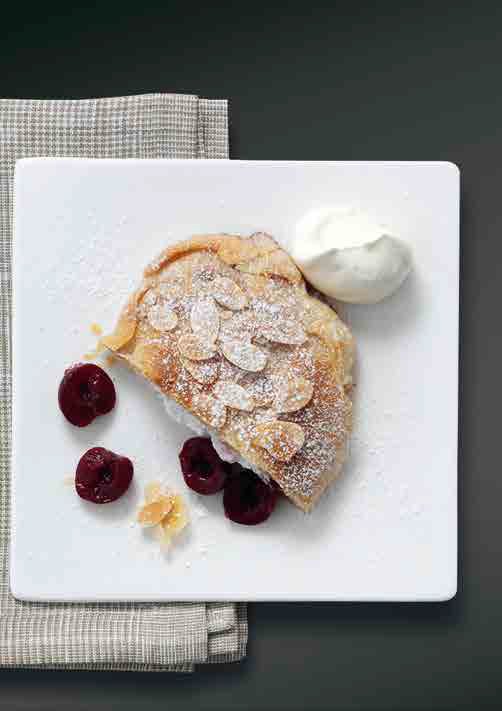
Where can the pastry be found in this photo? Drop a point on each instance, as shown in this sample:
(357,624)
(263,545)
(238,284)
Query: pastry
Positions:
(225,327)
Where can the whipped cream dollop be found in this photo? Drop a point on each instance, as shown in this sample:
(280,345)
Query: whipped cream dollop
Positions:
(347,256)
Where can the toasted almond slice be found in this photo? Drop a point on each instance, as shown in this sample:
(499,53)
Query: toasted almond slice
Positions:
(175,521)
(264,243)
(210,410)
(151,514)
(233,395)
(244,355)
(153,491)
(194,348)
(287,331)
(234,250)
(229,294)
(172,288)
(205,319)
(162,318)
(293,393)
(281,439)
(239,326)
(204,372)
(261,390)
(274,264)
(150,298)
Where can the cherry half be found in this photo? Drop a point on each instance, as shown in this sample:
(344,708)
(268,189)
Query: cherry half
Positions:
(247,499)
(85,392)
(203,470)
(102,476)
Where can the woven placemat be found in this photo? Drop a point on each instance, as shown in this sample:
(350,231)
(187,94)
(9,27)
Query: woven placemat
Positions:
(122,636)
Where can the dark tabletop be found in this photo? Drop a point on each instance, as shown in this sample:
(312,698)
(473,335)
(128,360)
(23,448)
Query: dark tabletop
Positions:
(376,82)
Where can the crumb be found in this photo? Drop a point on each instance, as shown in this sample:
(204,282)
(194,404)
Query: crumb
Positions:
(68,481)
(96,329)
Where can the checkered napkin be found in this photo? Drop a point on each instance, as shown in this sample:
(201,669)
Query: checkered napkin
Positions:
(144,637)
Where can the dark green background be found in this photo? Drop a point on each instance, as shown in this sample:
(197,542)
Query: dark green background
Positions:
(376,81)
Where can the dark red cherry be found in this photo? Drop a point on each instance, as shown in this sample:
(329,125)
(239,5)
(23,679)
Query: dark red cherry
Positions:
(85,392)
(247,499)
(102,476)
(202,468)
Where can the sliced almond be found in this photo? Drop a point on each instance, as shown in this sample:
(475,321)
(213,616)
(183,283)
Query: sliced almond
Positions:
(280,439)
(162,318)
(151,514)
(293,393)
(193,348)
(234,250)
(264,242)
(244,355)
(150,298)
(261,390)
(233,395)
(172,288)
(153,491)
(275,263)
(227,293)
(205,319)
(175,521)
(204,372)
(239,326)
(285,330)
(210,410)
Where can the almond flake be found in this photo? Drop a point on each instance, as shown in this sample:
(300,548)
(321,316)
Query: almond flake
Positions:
(151,514)
(239,326)
(229,294)
(272,263)
(162,318)
(204,372)
(210,410)
(172,289)
(288,331)
(192,347)
(280,439)
(175,521)
(262,391)
(205,319)
(150,298)
(293,393)
(244,355)
(233,395)
(153,490)
(264,242)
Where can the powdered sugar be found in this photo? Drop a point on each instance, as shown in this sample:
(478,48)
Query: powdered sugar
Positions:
(244,355)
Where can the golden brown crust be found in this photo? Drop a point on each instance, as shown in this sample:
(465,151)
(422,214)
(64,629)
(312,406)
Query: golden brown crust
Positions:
(272,377)
(258,254)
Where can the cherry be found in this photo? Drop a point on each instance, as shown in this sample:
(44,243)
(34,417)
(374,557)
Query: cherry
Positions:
(203,470)
(102,476)
(247,499)
(85,392)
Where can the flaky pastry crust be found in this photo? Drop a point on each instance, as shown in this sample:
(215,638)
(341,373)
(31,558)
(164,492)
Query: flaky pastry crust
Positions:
(224,325)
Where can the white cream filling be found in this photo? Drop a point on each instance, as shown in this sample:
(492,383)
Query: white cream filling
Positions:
(185,418)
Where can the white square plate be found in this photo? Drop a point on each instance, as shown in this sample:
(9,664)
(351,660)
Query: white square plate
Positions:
(387,530)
